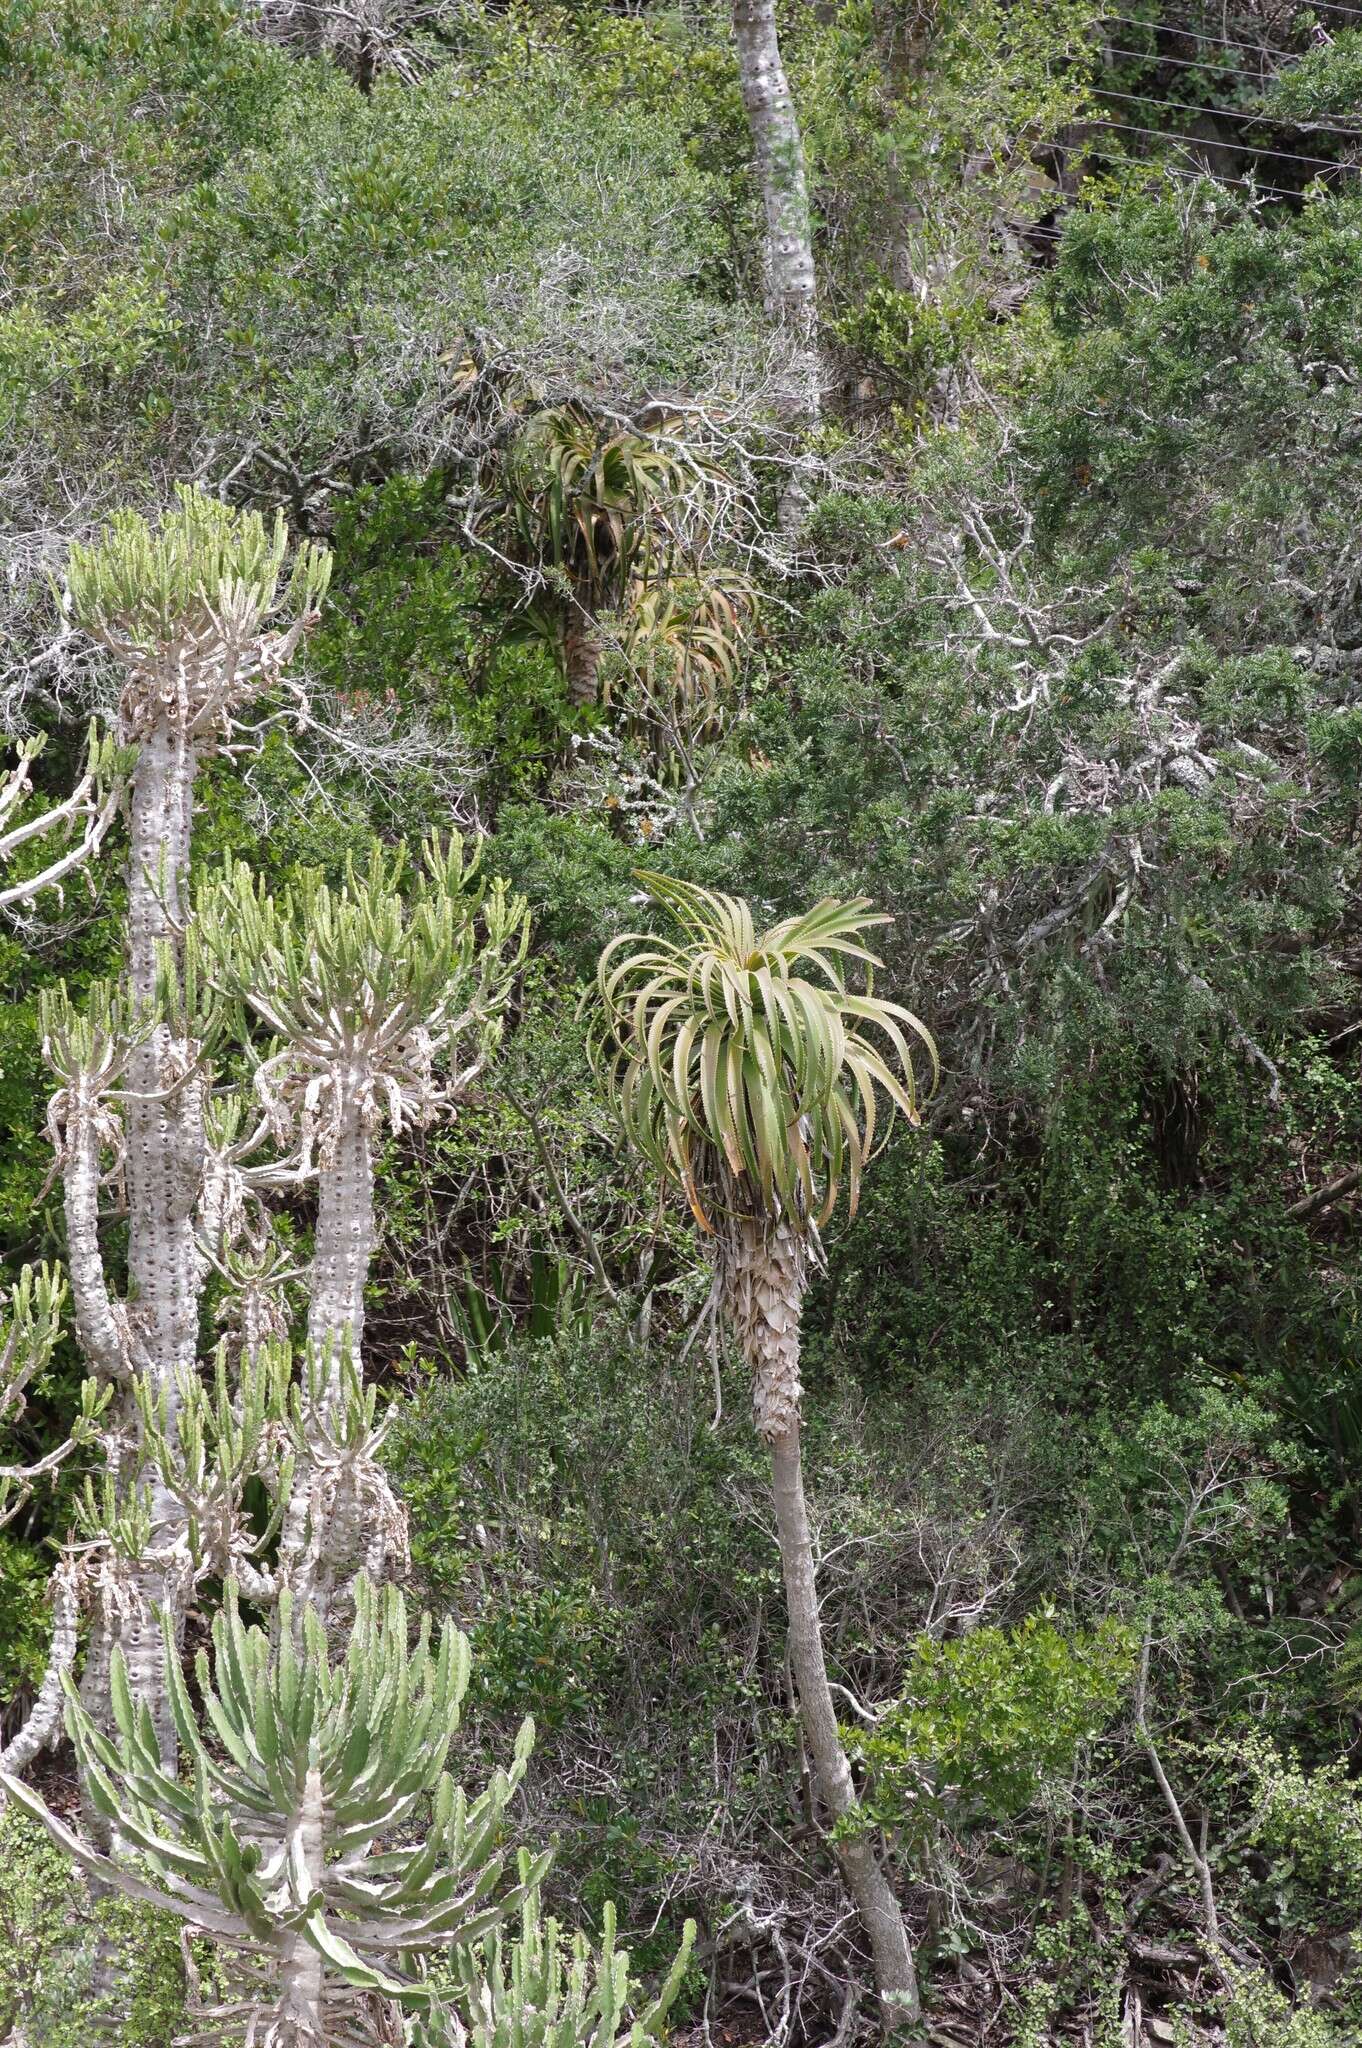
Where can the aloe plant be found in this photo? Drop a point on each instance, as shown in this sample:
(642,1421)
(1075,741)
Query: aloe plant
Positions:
(683,640)
(748,1069)
(593,507)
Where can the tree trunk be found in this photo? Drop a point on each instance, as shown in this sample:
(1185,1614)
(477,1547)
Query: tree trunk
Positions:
(323,1531)
(42,1730)
(300,2014)
(779,151)
(765,1297)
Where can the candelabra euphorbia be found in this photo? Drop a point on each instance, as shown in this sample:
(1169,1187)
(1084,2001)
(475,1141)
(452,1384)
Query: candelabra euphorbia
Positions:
(201,619)
(312,1831)
(318,1838)
(383,998)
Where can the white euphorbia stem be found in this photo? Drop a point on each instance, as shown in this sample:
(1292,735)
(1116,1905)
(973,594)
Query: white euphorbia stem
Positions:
(43,1725)
(155,1336)
(163,1121)
(779,150)
(325,1534)
(301,1973)
(93,807)
(101,1327)
(344,1239)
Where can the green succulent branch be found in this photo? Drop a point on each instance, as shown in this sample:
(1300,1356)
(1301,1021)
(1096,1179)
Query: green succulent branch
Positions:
(224,1436)
(189,607)
(544,1990)
(272,1843)
(28,1337)
(367,984)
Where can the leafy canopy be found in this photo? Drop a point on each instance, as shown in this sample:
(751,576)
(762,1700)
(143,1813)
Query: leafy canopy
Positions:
(738,1073)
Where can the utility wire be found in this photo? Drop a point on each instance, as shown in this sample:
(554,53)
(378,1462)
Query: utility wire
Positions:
(1222,77)
(1331,7)
(1193,177)
(1224,113)
(1324,163)
(1198,35)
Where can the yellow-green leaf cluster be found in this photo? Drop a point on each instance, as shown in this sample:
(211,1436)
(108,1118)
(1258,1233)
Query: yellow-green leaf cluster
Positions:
(743,1063)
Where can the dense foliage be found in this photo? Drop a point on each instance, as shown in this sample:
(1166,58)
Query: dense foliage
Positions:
(1058,662)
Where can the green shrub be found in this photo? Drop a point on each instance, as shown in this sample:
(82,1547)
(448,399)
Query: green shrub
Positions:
(78,1974)
(988,1718)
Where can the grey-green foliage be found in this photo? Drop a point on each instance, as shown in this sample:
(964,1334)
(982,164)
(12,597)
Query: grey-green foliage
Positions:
(340,267)
(196,609)
(272,1846)
(542,1990)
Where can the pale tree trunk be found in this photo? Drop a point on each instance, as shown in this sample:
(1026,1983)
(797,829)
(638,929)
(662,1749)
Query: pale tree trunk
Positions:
(779,151)
(43,1727)
(155,1336)
(322,1526)
(766,1278)
(300,2014)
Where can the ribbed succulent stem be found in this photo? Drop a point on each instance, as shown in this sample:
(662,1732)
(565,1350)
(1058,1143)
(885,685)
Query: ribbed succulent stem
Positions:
(44,1724)
(163,1124)
(315,1558)
(344,1244)
(302,1980)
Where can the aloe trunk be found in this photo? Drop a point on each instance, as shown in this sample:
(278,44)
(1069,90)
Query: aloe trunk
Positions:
(766,1275)
(582,656)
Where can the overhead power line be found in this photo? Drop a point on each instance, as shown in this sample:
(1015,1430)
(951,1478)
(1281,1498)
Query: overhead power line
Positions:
(1145,99)
(1324,163)
(1197,35)
(1332,7)
(1222,77)
(1191,177)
